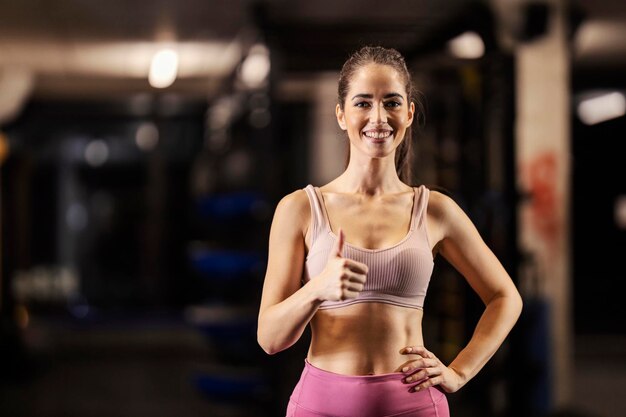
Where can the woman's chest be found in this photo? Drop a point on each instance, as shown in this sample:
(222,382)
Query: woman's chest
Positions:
(371,226)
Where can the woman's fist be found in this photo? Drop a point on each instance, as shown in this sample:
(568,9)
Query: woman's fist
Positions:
(342,278)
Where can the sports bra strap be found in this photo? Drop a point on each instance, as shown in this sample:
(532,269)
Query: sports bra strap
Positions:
(422,206)
(318,218)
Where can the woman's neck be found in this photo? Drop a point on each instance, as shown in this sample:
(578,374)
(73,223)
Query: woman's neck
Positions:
(372,176)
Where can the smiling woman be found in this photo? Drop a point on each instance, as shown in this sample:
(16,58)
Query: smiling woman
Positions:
(377,65)
(378,119)
(353,259)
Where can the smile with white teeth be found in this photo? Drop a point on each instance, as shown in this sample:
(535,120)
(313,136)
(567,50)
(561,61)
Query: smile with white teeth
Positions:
(377,134)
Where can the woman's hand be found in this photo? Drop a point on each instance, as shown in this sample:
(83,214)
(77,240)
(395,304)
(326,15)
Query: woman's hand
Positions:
(430,371)
(342,278)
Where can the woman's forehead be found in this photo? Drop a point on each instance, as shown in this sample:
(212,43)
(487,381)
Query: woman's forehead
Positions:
(377,76)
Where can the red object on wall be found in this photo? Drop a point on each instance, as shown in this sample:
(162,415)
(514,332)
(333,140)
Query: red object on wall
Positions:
(541,174)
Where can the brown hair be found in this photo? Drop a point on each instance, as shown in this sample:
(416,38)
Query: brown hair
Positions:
(393,58)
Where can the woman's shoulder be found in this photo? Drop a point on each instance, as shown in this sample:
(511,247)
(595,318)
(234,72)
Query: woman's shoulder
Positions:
(440,202)
(294,207)
(297,199)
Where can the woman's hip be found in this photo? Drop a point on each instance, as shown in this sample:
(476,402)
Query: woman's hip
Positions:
(321,393)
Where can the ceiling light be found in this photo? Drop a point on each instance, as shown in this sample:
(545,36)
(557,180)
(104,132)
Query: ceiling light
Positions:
(163,68)
(468,45)
(256,67)
(601,108)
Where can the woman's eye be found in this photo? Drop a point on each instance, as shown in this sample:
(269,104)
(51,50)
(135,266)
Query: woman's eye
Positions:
(362,104)
(393,104)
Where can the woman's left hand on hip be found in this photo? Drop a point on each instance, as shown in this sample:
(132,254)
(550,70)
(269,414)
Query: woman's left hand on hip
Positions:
(429,371)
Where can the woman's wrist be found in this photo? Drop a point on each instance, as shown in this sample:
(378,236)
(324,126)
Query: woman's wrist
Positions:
(463,378)
(313,294)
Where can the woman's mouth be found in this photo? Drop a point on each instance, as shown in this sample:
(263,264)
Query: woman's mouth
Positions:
(377,136)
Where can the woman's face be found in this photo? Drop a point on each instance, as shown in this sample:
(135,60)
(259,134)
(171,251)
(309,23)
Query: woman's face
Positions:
(376,110)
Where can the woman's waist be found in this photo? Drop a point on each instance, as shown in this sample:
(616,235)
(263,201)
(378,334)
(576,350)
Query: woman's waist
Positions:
(362,355)
(331,375)
(355,363)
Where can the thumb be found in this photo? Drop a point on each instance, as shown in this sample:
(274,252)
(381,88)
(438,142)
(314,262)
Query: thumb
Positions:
(338,247)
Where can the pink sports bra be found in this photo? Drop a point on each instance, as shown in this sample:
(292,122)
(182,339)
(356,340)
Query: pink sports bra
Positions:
(398,274)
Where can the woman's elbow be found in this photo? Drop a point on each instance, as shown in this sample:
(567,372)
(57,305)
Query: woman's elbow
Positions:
(519,303)
(266,341)
(511,301)
(515,304)
(267,347)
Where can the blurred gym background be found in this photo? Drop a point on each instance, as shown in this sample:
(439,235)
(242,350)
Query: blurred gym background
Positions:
(145,144)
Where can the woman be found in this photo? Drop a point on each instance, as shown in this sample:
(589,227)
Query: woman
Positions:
(369,240)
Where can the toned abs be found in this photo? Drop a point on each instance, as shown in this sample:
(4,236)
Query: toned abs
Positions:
(364,338)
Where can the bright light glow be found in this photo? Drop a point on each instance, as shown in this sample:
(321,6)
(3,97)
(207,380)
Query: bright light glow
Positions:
(163,68)
(256,67)
(468,45)
(602,108)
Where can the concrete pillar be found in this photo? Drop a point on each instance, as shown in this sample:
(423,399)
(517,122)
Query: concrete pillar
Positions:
(543,166)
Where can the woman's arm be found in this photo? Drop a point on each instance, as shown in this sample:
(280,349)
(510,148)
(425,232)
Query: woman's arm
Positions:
(465,249)
(462,246)
(286,307)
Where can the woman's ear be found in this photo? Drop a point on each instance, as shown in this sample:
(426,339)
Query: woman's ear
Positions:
(340,117)
(411,114)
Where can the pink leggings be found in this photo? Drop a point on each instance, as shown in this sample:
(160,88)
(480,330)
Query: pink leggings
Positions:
(320,393)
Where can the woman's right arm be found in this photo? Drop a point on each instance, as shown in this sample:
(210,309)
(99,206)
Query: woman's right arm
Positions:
(286,306)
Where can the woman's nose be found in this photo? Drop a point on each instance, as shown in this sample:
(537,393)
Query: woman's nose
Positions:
(378,114)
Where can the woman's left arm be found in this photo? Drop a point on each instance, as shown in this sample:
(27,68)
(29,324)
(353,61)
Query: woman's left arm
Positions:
(462,246)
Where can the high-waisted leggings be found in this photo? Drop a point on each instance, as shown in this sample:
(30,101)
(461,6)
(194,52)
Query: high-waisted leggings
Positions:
(320,393)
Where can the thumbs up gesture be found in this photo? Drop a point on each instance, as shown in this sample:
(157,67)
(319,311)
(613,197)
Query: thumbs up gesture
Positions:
(342,278)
